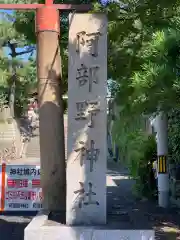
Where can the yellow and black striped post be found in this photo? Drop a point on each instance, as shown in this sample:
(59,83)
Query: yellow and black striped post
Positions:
(162,164)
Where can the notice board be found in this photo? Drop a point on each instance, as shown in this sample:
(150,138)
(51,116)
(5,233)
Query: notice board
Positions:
(20,188)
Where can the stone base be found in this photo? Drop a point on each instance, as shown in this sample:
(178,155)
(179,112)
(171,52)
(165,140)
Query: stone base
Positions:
(41,228)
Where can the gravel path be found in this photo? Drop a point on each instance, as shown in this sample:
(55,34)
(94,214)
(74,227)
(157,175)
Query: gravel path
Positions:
(124,212)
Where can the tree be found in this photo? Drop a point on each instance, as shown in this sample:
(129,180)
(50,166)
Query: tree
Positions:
(152,61)
(142,52)
(131,26)
(13,69)
(144,62)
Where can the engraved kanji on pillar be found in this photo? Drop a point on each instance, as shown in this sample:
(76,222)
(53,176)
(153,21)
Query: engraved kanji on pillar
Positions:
(87,120)
(89,41)
(87,76)
(85,198)
(90,154)
(87,110)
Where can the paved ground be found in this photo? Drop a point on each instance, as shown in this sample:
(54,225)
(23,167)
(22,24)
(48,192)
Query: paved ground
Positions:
(124,212)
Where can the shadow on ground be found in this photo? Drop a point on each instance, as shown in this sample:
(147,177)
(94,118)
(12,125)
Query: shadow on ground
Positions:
(14,231)
(126,212)
(12,224)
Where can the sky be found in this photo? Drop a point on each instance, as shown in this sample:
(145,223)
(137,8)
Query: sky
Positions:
(23,57)
(8,11)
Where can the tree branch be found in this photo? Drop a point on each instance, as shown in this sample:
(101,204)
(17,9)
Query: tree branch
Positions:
(13,46)
(24,52)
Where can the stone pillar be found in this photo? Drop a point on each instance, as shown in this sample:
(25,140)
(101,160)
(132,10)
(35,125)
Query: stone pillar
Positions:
(87,120)
(51,127)
(162,152)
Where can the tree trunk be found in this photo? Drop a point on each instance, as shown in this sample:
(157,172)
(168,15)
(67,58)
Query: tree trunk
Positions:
(12,90)
(12,98)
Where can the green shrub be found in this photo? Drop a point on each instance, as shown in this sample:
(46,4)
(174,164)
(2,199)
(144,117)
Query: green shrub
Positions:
(145,183)
(174,136)
(138,150)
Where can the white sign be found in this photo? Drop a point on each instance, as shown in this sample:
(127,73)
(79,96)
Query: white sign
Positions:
(22,188)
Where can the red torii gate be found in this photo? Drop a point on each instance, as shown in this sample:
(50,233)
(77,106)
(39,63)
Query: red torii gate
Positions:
(46,17)
(51,126)
(81,7)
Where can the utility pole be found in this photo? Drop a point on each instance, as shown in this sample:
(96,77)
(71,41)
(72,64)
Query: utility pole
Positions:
(161,123)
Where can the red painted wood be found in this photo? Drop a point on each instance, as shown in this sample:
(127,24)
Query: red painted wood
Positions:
(20,6)
(80,7)
(49,2)
(47,19)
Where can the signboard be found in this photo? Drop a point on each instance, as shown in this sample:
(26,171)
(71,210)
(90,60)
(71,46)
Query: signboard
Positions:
(22,191)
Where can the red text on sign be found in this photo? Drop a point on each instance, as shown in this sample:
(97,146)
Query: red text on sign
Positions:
(17,183)
(23,195)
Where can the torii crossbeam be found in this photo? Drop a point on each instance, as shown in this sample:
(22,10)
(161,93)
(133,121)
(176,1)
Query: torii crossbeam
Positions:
(51,126)
(81,7)
(47,12)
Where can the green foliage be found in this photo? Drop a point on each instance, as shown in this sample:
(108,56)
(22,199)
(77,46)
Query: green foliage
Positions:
(25,25)
(156,85)
(144,55)
(174,136)
(145,180)
(142,39)
(138,150)
(129,135)
(24,73)
(125,132)
(25,83)
(19,27)
(143,61)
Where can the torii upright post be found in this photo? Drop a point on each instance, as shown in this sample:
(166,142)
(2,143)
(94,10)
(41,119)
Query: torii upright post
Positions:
(51,125)
(53,177)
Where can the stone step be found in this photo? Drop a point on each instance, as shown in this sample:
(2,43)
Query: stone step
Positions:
(33,148)
(5,144)
(33,154)
(7,131)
